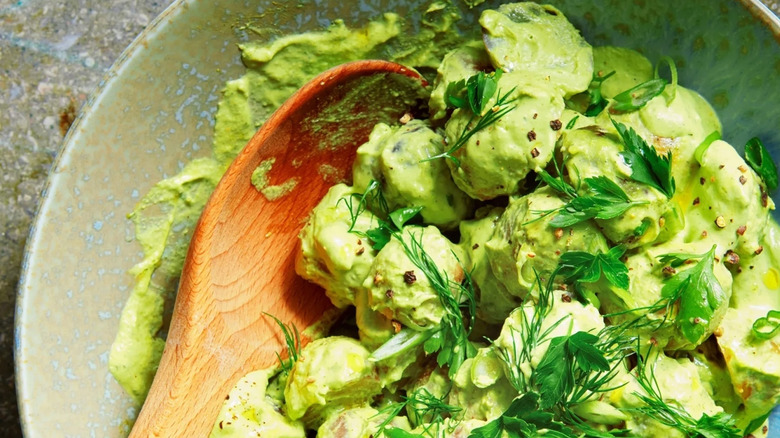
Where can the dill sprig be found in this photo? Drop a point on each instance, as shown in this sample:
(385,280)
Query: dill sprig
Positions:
(673,414)
(292,339)
(474,94)
(423,405)
(372,199)
(451,339)
(531,335)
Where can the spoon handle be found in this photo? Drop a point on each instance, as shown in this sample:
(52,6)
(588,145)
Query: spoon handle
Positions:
(241,257)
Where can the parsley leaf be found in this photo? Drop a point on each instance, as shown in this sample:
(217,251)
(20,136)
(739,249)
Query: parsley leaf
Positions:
(478,90)
(384,231)
(636,97)
(646,165)
(553,375)
(523,419)
(606,200)
(579,267)
(556,376)
(757,156)
(698,293)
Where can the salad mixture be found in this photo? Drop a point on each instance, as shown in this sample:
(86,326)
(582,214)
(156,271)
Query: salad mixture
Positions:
(564,247)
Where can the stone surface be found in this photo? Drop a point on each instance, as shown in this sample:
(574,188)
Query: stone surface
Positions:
(52,54)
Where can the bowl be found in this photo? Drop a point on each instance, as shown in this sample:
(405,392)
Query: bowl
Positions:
(154,112)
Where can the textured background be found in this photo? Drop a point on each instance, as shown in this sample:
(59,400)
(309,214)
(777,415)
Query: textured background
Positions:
(52,54)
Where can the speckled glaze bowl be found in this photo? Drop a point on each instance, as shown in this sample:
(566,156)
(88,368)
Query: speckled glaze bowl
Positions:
(155,111)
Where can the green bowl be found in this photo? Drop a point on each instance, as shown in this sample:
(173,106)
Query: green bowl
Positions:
(155,111)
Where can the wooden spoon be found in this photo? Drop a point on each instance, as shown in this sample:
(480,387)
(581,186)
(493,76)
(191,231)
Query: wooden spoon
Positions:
(241,259)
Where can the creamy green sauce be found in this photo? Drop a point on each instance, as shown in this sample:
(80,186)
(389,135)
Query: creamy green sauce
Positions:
(480,217)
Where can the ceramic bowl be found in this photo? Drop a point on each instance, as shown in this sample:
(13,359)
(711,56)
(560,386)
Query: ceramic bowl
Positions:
(155,111)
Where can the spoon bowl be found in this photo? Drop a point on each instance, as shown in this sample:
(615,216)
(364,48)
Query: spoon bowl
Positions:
(241,257)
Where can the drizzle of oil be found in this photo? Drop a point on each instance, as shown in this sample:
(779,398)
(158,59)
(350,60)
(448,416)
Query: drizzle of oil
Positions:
(772,279)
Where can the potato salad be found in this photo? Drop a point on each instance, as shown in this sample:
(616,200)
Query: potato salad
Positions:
(564,246)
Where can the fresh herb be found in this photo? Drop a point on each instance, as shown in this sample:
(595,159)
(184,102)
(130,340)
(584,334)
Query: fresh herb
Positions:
(758,157)
(292,339)
(475,94)
(755,424)
(704,145)
(573,369)
(387,223)
(767,326)
(597,102)
(646,165)
(643,227)
(523,418)
(697,293)
(451,339)
(636,97)
(677,259)
(606,200)
(371,199)
(530,334)
(579,267)
(423,405)
(674,415)
(572,122)
(478,90)
(566,357)
(385,229)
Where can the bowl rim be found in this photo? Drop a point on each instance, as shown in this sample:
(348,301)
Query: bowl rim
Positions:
(33,240)
(756,8)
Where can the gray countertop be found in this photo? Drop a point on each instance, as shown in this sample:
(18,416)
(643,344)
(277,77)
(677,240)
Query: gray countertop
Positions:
(52,54)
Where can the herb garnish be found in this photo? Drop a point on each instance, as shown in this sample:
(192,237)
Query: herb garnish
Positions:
(696,291)
(720,425)
(579,267)
(292,339)
(636,97)
(597,102)
(424,405)
(531,335)
(573,369)
(646,165)
(478,90)
(388,222)
(606,200)
(450,339)
(757,156)
(767,326)
(523,418)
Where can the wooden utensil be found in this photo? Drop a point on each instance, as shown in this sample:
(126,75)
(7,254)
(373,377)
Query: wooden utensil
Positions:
(240,260)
